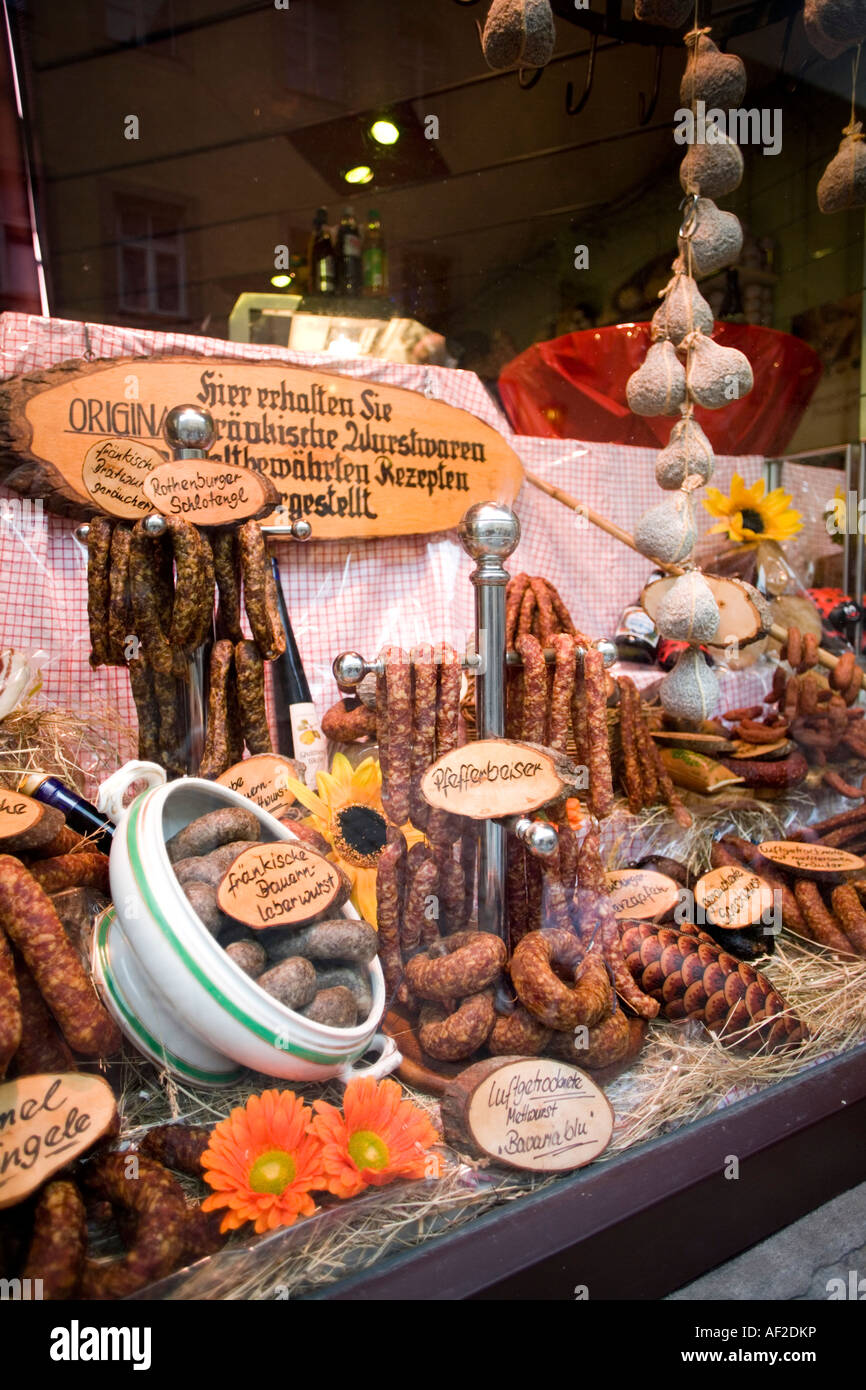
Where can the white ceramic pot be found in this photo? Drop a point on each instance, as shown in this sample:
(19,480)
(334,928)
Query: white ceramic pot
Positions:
(169,984)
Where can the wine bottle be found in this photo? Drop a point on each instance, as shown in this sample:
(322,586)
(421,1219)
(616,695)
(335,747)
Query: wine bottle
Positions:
(80,815)
(299,733)
(350,268)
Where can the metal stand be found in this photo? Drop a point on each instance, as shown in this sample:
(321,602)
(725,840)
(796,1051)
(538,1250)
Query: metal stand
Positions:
(489,533)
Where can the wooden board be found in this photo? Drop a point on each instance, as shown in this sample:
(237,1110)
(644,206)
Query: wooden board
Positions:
(48,1120)
(264,779)
(732,897)
(806,860)
(533,1113)
(278,885)
(209,492)
(641,893)
(353,458)
(493,777)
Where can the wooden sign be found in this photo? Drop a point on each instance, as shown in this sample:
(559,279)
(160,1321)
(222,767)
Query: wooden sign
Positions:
(209,492)
(264,779)
(811,861)
(711,744)
(278,885)
(18,814)
(762,752)
(46,1121)
(641,893)
(532,1113)
(494,777)
(732,897)
(113,473)
(352,457)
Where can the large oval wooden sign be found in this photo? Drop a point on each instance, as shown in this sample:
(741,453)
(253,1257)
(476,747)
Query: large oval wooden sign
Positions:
(733,897)
(46,1121)
(210,492)
(278,885)
(641,894)
(264,779)
(809,860)
(113,474)
(352,457)
(492,777)
(532,1113)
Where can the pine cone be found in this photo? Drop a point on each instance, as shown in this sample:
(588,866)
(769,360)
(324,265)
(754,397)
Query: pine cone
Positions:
(693,977)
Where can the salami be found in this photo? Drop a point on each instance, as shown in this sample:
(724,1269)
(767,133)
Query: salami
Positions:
(42,1047)
(217,755)
(56,1255)
(10,1006)
(565,651)
(28,916)
(397,778)
(534,688)
(98,560)
(191,585)
(120,620)
(448,700)
(821,925)
(546,621)
(422,892)
(849,911)
(144,597)
(598,748)
(147,710)
(527,613)
(260,592)
(388,911)
(514,595)
(424,681)
(155,1202)
(628,731)
(251,697)
(226,575)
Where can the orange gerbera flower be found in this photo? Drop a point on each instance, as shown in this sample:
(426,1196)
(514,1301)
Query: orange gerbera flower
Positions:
(378,1138)
(262,1162)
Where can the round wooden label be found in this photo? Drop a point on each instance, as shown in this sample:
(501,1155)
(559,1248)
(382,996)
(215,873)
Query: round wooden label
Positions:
(733,897)
(209,492)
(278,885)
(810,860)
(18,813)
(641,893)
(493,777)
(264,778)
(536,1114)
(114,471)
(46,1121)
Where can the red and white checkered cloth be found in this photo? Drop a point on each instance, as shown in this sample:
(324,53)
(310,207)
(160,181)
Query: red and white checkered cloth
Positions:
(348,595)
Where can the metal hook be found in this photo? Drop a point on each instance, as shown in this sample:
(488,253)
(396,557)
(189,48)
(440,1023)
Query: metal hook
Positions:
(646,109)
(527,83)
(572,107)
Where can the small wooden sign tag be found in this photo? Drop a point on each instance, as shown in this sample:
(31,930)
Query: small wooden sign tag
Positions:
(113,473)
(733,897)
(264,779)
(17,814)
(278,885)
(532,1113)
(209,492)
(811,861)
(493,777)
(46,1121)
(641,893)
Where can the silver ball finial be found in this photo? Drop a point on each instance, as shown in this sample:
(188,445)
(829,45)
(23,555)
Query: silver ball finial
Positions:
(301,530)
(82,532)
(189,427)
(541,839)
(489,528)
(155,525)
(607,649)
(349,670)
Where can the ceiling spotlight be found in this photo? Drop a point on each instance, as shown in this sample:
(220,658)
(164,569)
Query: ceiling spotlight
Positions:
(362,173)
(281,282)
(385,132)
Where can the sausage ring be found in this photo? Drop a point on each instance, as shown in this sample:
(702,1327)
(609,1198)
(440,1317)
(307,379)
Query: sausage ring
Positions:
(455,1036)
(458,965)
(518,1035)
(559,1005)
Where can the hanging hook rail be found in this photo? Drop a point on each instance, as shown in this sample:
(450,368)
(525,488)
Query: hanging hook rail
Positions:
(572,107)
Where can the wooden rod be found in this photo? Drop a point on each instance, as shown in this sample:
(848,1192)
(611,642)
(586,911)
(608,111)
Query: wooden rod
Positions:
(825,658)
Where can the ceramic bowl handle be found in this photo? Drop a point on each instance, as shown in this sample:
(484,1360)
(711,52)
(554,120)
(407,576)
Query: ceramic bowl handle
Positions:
(388,1060)
(109,799)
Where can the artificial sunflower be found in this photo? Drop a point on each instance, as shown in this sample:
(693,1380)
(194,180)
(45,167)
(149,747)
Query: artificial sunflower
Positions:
(749,517)
(348,812)
(263,1162)
(378,1138)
